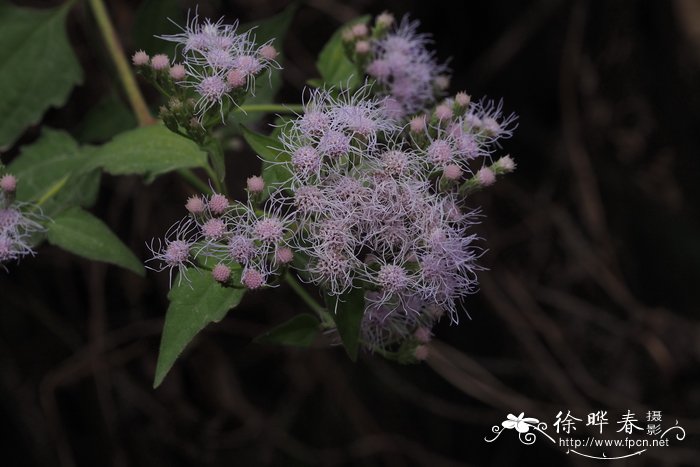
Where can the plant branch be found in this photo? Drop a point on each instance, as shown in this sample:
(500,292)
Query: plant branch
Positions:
(304,295)
(282,108)
(136,100)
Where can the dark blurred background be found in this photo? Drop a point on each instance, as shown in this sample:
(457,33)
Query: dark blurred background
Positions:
(590,301)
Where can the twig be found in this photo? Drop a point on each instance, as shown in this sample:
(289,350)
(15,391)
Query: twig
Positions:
(136,100)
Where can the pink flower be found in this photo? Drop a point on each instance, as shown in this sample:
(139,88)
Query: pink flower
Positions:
(418,124)
(443,112)
(214,228)
(160,62)
(221,273)
(362,47)
(255,184)
(235,79)
(140,58)
(218,204)
(268,52)
(177,72)
(252,279)
(452,172)
(485,176)
(462,99)
(195,205)
(360,30)
(284,255)
(8,183)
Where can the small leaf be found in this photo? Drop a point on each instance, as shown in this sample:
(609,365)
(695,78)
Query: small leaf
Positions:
(275,171)
(38,68)
(149,151)
(193,305)
(105,120)
(347,311)
(53,157)
(300,331)
(83,234)
(335,67)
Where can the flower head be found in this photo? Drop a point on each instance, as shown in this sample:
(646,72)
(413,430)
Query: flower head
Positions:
(405,67)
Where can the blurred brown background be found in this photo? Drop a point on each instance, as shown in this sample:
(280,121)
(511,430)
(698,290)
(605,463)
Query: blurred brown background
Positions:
(590,301)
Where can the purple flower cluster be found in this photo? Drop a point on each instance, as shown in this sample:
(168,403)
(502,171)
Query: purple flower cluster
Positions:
(18,223)
(396,55)
(375,194)
(217,61)
(227,235)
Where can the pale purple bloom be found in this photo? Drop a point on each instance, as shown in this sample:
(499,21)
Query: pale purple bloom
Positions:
(19,223)
(175,251)
(217,60)
(405,68)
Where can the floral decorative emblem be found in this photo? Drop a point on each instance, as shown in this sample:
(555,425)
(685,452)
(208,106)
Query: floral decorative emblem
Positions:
(520,423)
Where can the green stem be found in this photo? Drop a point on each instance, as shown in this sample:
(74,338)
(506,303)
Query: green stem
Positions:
(304,295)
(136,100)
(282,108)
(195,181)
(214,178)
(50,193)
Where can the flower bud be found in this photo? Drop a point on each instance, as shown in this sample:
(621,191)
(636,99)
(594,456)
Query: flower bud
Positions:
(452,172)
(160,62)
(255,184)
(8,183)
(218,204)
(385,20)
(221,273)
(418,124)
(140,58)
(462,99)
(486,176)
(506,164)
(362,47)
(195,205)
(443,112)
(252,279)
(177,72)
(360,30)
(235,79)
(284,255)
(268,52)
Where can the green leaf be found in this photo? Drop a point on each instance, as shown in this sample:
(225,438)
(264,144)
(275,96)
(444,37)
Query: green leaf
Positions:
(83,234)
(153,18)
(266,87)
(149,151)
(193,305)
(347,311)
(274,170)
(300,331)
(105,120)
(56,156)
(38,68)
(333,63)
